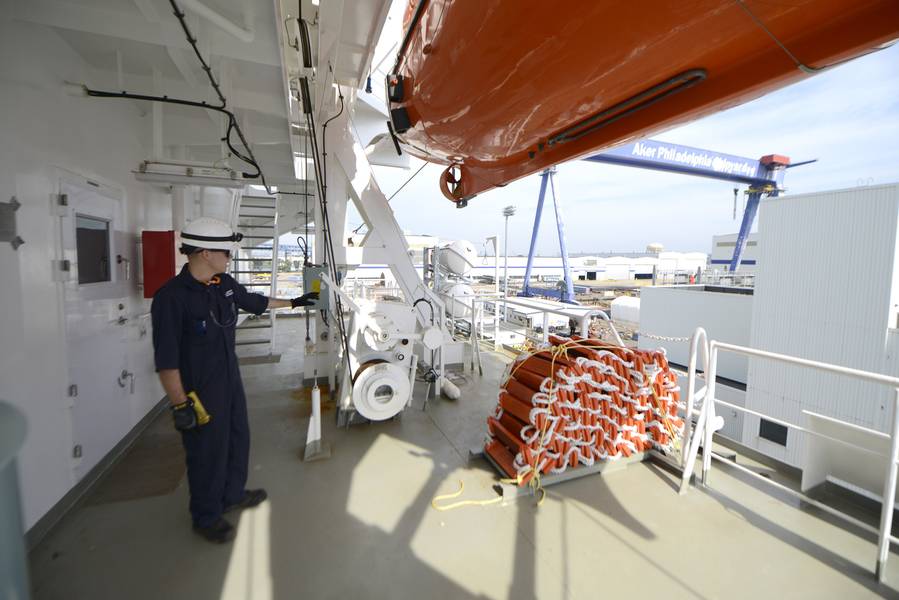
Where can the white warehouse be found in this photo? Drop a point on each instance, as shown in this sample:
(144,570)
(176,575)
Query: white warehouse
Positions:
(549,268)
(835,302)
(723,252)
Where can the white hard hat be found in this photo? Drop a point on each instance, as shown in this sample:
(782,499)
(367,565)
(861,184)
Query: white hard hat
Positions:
(209,233)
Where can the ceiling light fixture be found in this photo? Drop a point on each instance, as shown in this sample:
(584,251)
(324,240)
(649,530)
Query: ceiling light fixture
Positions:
(188,173)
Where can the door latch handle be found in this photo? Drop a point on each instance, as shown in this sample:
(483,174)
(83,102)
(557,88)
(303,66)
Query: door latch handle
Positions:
(126,374)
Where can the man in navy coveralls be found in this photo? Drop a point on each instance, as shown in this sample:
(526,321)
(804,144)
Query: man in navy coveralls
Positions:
(194,318)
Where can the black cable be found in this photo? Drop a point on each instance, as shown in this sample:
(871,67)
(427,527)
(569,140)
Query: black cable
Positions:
(332,261)
(306,260)
(430,305)
(407,181)
(431,372)
(321,178)
(340,112)
(306,44)
(328,244)
(325,143)
(413,22)
(325,169)
(324,175)
(234,151)
(193,43)
(232,120)
(233,125)
(149,98)
(305,187)
(305,249)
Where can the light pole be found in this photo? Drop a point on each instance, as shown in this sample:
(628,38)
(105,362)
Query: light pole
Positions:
(507,212)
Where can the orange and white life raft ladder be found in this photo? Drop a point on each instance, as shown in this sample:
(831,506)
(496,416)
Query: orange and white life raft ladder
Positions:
(582,401)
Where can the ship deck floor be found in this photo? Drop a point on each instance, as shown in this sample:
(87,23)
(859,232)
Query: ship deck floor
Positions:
(360,524)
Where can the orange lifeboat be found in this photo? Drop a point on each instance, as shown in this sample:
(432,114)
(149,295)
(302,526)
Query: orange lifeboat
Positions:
(500,89)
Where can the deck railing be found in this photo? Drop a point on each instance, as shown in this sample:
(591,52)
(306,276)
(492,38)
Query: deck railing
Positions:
(582,315)
(707,423)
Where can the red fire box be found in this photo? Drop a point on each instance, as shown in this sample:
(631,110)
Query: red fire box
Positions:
(158,259)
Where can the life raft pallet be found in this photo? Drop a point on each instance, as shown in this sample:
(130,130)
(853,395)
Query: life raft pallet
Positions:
(511,492)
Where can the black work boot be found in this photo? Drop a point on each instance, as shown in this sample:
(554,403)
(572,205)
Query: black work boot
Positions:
(250,499)
(218,533)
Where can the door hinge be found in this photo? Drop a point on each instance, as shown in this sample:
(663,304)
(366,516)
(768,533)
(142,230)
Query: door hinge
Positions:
(71,394)
(59,205)
(8,231)
(61,270)
(76,451)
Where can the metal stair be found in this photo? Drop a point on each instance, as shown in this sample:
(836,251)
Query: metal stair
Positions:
(257,219)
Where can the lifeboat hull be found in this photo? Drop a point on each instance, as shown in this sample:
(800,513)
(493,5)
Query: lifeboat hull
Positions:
(500,89)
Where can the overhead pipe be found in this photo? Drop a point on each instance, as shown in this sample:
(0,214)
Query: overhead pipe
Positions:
(243,34)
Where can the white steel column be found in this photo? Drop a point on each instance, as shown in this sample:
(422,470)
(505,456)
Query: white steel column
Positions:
(275,270)
(385,237)
(495,240)
(178,219)
(157,119)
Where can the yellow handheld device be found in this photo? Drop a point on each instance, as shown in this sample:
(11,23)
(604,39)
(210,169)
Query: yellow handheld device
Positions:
(203,417)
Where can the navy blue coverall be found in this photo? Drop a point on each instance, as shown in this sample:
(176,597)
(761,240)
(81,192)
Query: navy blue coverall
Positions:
(193,331)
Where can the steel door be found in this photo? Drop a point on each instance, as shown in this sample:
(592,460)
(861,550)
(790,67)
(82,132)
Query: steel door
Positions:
(94,293)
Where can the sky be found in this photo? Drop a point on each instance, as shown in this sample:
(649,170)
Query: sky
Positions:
(847,118)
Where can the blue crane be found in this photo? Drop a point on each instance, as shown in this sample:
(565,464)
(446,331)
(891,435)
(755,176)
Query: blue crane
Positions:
(763,177)
(566,294)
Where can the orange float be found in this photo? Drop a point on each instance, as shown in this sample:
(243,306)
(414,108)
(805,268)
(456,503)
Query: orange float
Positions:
(579,402)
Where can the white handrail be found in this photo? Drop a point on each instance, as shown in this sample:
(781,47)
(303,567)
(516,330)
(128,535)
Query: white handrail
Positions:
(699,337)
(857,373)
(818,434)
(583,314)
(339,292)
(707,422)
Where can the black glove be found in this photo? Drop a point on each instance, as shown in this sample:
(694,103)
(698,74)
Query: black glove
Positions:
(184,415)
(304,300)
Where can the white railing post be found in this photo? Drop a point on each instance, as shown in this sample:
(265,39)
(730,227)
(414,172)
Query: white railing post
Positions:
(496,344)
(699,336)
(702,423)
(453,315)
(275,270)
(709,428)
(604,316)
(473,333)
(889,494)
(481,317)
(708,423)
